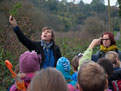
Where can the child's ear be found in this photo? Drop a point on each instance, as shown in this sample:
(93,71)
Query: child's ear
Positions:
(74,69)
(106,84)
(80,89)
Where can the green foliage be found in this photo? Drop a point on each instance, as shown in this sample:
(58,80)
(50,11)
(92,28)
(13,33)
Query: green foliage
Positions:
(119,1)
(66,20)
(96,49)
(116,24)
(118,42)
(6,79)
(51,5)
(14,11)
(69,50)
(94,26)
(62,16)
(97,2)
(98,6)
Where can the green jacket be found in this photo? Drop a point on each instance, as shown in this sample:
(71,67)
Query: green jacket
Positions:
(86,56)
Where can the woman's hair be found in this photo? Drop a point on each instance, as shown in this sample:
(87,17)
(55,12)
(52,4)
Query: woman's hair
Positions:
(111,36)
(48,80)
(52,31)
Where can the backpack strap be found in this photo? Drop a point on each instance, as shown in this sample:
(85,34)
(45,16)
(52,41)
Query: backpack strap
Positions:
(115,85)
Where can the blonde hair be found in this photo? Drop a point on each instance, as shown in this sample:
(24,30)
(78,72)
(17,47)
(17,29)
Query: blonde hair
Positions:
(91,77)
(48,80)
(114,57)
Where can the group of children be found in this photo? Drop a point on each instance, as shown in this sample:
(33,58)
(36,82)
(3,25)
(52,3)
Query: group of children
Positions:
(88,75)
(45,70)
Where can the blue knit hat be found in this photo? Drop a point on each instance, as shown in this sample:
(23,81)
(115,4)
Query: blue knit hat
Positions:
(63,64)
(29,62)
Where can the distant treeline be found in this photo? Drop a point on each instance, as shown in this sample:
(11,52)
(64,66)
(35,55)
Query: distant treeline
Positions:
(62,15)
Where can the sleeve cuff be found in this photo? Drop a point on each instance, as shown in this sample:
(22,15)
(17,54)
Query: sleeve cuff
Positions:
(16,28)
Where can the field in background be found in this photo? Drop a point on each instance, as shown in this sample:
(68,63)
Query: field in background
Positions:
(70,43)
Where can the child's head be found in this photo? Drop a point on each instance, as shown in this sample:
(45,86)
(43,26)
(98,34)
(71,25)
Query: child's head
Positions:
(114,58)
(75,61)
(48,80)
(107,65)
(63,65)
(29,62)
(91,77)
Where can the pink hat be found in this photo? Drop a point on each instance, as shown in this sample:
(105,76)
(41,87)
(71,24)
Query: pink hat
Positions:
(29,62)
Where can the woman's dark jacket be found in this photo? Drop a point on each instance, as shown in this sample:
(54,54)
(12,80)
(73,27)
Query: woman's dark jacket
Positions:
(31,45)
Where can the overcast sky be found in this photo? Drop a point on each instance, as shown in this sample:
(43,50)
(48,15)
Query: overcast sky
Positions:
(112,2)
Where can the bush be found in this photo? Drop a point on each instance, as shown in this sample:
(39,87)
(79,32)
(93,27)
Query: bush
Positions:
(6,79)
(94,26)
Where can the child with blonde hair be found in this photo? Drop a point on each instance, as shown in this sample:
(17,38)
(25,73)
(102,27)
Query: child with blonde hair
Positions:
(114,57)
(92,77)
(48,79)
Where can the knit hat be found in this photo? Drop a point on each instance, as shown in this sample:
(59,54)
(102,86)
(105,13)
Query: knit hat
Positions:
(63,64)
(111,36)
(29,62)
